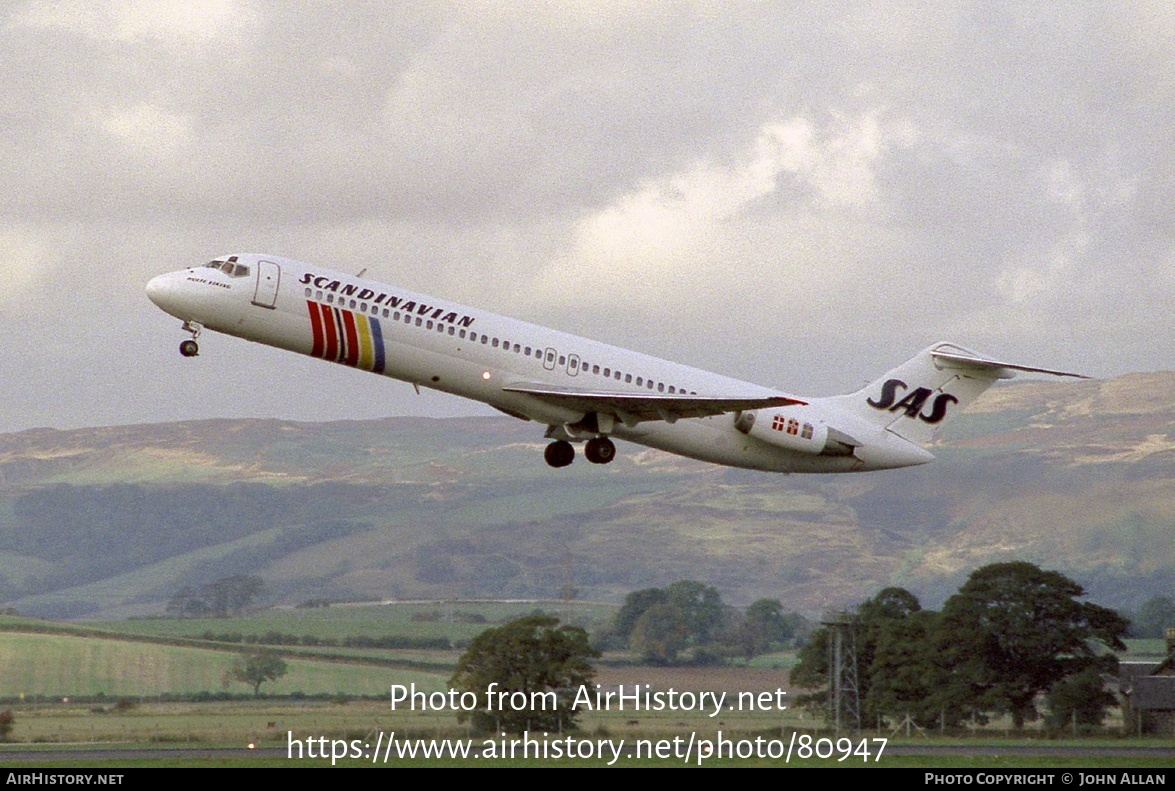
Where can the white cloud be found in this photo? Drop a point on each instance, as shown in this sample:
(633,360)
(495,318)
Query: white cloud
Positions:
(24,260)
(768,214)
(145,128)
(187,22)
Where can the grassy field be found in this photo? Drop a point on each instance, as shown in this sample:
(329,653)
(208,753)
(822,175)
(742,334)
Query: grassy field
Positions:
(48,665)
(42,664)
(452,620)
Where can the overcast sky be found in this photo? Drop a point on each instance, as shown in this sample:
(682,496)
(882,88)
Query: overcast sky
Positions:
(797,194)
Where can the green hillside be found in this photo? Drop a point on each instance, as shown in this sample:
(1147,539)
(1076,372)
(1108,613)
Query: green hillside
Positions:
(110,522)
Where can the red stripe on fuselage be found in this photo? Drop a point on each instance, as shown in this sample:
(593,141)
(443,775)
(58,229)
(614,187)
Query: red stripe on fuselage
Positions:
(331,350)
(315,327)
(352,338)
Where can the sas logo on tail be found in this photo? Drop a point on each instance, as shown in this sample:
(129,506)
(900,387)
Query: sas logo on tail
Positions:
(913,401)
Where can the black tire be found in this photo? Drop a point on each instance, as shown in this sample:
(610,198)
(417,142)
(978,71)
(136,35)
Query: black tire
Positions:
(559,453)
(189,348)
(600,450)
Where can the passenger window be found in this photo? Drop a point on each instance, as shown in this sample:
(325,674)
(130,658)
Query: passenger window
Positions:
(595,369)
(660,387)
(385,313)
(607,372)
(452,330)
(484,339)
(318,295)
(307,293)
(419,321)
(429,325)
(462,333)
(362,307)
(517,348)
(627,377)
(649,384)
(562,360)
(527,352)
(352,304)
(639,381)
(495,343)
(330,298)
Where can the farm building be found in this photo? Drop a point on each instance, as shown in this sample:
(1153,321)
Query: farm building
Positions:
(1149,690)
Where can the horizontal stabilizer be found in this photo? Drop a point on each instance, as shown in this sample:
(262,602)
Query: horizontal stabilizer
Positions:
(632,408)
(968,361)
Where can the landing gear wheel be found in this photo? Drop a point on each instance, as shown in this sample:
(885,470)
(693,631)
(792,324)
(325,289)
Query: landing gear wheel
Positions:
(600,450)
(559,453)
(189,348)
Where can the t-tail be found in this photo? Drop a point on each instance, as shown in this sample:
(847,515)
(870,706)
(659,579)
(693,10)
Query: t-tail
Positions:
(915,399)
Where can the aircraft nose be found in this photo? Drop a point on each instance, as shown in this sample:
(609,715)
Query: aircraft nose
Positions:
(159,288)
(168,293)
(155,288)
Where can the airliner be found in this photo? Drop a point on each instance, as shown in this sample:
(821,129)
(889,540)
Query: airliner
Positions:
(581,390)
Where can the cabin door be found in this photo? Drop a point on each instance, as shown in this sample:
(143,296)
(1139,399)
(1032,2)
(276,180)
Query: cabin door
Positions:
(268,276)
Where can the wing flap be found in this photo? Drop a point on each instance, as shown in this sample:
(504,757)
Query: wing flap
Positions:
(633,408)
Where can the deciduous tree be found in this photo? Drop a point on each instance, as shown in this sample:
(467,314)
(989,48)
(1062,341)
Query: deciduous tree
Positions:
(535,668)
(255,669)
(1016,630)
(660,634)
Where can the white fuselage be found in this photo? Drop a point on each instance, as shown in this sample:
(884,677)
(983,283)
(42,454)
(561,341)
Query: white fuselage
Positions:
(476,354)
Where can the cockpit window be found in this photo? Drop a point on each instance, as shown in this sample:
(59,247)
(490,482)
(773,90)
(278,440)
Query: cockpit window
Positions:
(229,268)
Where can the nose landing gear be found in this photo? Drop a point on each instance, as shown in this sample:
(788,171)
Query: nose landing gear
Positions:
(190,348)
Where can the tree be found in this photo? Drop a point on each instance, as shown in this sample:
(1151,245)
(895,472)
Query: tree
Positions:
(257,668)
(187,603)
(1153,618)
(1080,699)
(873,619)
(525,674)
(226,596)
(6,722)
(701,608)
(635,605)
(1015,630)
(910,675)
(659,634)
(232,595)
(761,626)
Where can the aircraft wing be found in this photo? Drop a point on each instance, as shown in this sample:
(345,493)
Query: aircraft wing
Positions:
(633,408)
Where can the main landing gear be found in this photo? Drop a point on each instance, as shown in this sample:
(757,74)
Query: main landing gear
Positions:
(190,348)
(559,453)
(598,450)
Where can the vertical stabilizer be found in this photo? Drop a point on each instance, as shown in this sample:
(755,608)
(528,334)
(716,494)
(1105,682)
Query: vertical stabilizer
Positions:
(916,398)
